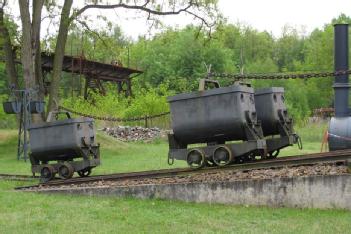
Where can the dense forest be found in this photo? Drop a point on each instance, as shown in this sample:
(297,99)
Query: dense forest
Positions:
(174,60)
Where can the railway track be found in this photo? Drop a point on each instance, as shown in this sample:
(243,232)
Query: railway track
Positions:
(17,177)
(298,160)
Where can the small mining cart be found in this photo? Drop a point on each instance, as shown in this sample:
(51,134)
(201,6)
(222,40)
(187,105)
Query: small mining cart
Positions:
(215,127)
(70,142)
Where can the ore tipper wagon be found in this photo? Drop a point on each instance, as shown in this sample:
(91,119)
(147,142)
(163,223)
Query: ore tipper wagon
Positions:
(71,143)
(224,125)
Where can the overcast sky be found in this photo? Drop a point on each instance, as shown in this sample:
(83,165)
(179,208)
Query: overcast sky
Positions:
(272,15)
(269,15)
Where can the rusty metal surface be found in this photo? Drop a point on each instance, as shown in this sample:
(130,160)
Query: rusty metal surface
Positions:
(281,76)
(113,119)
(97,70)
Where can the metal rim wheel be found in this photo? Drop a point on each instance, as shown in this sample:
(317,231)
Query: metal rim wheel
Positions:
(47,173)
(222,156)
(196,158)
(273,154)
(65,171)
(251,157)
(84,173)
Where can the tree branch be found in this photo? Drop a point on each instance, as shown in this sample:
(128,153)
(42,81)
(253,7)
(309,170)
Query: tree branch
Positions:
(135,7)
(4,3)
(92,31)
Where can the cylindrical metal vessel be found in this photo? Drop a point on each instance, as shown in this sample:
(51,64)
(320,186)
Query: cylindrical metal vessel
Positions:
(61,140)
(339,133)
(271,109)
(341,63)
(215,115)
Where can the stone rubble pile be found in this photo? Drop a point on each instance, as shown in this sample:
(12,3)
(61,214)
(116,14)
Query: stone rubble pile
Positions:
(126,133)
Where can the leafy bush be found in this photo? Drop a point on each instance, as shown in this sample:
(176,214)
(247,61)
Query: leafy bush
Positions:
(145,102)
(7,121)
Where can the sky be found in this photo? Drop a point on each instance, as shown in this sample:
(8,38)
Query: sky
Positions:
(269,15)
(272,15)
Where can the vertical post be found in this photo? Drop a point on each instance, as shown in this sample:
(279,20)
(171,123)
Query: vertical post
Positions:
(341,63)
(119,87)
(128,56)
(129,92)
(87,79)
(20,129)
(146,125)
(25,123)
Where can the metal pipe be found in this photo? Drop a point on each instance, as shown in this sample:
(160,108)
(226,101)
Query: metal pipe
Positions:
(341,63)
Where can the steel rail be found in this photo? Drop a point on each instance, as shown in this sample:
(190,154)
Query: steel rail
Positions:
(298,160)
(17,177)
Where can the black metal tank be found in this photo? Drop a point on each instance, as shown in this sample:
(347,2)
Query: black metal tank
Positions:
(271,109)
(215,115)
(339,132)
(62,140)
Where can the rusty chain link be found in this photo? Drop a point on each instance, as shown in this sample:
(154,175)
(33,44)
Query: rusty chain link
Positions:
(114,119)
(277,76)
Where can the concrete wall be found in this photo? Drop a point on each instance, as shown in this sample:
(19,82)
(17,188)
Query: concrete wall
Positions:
(332,191)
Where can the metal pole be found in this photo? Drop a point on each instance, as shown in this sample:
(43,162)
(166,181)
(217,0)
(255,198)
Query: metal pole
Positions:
(26,118)
(341,63)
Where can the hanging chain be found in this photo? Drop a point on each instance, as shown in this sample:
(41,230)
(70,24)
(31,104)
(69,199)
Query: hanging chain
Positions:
(278,76)
(113,119)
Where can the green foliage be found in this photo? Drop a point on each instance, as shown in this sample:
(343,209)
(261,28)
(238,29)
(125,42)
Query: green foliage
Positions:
(151,102)
(7,120)
(174,60)
(144,102)
(110,105)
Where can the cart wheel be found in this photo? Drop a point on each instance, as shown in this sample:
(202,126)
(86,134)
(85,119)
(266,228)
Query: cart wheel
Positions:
(84,172)
(251,157)
(222,156)
(47,173)
(273,154)
(66,171)
(196,159)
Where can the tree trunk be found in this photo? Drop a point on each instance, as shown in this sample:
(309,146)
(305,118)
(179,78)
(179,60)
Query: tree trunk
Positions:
(30,47)
(27,57)
(59,54)
(9,53)
(36,23)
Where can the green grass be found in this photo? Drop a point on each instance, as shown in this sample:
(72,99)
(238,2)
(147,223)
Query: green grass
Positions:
(39,213)
(22,212)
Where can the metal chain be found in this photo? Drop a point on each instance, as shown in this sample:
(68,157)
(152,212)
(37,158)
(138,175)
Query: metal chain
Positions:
(280,76)
(222,75)
(114,119)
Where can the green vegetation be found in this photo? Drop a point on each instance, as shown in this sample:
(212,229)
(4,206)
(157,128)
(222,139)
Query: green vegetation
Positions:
(23,212)
(174,60)
(39,213)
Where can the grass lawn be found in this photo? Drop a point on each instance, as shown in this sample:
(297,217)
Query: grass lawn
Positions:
(39,213)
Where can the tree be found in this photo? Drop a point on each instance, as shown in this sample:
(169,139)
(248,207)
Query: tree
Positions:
(6,44)
(205,11)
